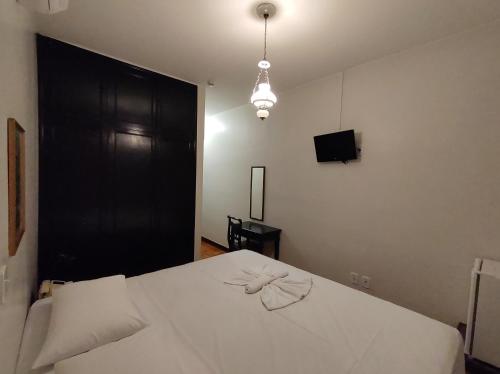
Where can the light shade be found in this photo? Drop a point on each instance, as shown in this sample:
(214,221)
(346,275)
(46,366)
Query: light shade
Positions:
(262,114)
(263,97)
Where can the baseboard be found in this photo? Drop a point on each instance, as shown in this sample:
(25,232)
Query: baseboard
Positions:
(215,244)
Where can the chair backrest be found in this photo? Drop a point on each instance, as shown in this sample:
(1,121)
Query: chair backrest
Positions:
(234,233)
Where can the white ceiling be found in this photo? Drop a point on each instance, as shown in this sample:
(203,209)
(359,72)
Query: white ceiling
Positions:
(197,40)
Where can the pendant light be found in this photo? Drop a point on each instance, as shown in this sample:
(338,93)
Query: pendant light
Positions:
(263,97)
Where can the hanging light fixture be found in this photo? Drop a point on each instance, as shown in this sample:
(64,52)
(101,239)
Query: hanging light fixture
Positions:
(262,97)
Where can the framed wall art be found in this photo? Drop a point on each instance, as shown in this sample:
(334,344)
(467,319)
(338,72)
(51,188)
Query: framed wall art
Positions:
(17,202)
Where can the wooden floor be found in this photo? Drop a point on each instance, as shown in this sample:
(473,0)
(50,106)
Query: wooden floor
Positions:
(209,250)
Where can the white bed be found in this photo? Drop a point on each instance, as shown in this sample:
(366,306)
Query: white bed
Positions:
(200,325)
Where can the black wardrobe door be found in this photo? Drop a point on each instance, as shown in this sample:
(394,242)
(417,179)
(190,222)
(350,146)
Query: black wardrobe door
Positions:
(176,203)
(176,195)
(71,150)
(132,202)
(129,108)
(71,199)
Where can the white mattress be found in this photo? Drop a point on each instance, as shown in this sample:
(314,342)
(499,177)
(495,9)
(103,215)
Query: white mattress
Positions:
(200,325)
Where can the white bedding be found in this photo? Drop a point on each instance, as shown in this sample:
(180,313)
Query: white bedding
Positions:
(35,330)
(200,325)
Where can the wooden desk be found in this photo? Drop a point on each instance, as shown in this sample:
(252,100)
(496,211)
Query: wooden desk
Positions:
(262,233)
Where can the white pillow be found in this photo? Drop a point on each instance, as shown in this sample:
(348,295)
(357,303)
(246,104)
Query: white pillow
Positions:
(86,315)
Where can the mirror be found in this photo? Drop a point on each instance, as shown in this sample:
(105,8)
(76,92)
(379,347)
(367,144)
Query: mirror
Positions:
(257,179)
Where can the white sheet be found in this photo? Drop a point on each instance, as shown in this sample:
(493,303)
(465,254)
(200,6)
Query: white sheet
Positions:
(35,330)
(200,325)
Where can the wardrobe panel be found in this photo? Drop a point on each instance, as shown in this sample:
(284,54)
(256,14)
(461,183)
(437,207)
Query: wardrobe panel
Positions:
(75,194)
(177,111)
(133,185)
(134,100)
(73,88)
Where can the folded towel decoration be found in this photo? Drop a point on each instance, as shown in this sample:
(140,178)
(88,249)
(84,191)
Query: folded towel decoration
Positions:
(262,280)
(278,291)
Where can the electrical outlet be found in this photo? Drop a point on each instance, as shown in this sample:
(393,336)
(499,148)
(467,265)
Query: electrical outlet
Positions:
(354,278)
(365,281)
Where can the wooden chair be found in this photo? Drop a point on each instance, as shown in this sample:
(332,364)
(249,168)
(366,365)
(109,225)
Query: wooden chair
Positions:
(234,241)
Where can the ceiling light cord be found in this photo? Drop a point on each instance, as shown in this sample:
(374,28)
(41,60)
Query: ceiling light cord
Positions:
(266,16)
(341,99)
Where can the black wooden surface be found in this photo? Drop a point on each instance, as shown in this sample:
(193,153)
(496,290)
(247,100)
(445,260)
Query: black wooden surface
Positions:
(117,166)
(262,233)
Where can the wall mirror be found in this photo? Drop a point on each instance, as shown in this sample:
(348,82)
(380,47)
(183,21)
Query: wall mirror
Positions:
(257,183)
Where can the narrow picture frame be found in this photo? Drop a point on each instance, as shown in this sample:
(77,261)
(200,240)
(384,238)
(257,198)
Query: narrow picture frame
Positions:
(16,183)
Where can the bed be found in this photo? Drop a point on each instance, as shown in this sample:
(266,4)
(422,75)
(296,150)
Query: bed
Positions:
(198,324)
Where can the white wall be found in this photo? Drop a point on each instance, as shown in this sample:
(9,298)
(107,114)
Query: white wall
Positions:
(18,97)
(422,202)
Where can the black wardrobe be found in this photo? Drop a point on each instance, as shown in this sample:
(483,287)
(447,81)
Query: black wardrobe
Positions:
(117,166)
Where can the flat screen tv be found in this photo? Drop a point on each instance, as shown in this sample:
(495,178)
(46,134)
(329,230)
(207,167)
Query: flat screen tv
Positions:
(337,146)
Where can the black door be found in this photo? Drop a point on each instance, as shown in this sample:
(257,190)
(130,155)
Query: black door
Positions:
(117,166)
